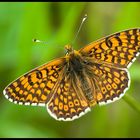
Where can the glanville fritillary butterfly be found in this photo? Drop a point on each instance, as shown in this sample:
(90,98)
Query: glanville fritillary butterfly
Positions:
(69,86)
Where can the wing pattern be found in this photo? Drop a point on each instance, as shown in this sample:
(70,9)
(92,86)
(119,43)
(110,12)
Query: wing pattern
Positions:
(119,49)
(35,87)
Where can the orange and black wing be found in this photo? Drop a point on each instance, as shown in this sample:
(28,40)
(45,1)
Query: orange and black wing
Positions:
(67,104)
(36,87)
(110,83)
(119,49)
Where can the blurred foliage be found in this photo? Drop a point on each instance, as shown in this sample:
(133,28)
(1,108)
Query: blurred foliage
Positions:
(57,24)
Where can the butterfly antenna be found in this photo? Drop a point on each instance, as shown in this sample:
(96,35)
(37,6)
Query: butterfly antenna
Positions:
(39,41)
(83,20)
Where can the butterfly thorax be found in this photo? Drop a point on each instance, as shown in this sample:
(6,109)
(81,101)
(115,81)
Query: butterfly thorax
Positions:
(73,58)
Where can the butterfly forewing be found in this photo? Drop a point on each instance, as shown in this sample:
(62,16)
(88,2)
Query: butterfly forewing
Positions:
(119,49)
(35,87)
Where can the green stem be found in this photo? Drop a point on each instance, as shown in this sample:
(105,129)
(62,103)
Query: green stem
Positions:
(132,102)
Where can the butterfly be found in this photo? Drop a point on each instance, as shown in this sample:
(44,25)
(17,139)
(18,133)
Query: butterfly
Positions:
(70,86)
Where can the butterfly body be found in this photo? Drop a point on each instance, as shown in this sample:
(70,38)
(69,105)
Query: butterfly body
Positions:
(77,68)
(69,86)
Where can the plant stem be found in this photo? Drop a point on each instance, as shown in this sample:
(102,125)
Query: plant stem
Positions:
(132,102)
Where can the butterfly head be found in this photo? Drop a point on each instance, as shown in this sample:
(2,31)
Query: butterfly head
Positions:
(68,49)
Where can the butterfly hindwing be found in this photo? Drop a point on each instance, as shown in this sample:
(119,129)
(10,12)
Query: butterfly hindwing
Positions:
(66,104)
(110,83)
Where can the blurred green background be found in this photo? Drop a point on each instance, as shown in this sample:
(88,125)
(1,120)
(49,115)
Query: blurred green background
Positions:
(57,24)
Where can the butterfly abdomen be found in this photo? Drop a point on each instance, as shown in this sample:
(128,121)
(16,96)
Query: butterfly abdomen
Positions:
(87,87)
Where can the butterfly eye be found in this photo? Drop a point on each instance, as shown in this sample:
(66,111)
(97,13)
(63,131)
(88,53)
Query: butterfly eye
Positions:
(86,62)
